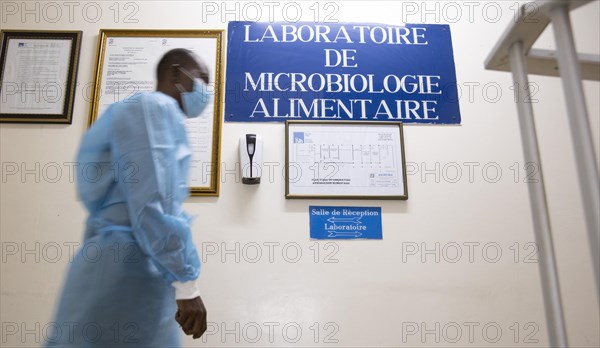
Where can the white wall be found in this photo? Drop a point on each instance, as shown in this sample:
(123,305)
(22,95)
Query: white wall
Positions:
(374,290)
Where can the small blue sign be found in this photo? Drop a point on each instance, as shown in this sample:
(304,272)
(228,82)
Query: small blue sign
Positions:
(345,222)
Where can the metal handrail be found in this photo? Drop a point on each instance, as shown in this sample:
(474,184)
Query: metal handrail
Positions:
(513,52)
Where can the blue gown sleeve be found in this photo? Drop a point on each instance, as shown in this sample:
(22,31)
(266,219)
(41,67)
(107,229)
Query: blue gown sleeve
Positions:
(144,147)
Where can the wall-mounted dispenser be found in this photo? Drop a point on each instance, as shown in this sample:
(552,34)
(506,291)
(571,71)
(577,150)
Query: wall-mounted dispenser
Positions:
(251,148)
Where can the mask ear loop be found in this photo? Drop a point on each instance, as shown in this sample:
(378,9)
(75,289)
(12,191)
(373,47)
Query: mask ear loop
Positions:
(184,71)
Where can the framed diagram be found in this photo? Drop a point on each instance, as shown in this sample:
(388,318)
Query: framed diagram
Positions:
(38,73)
(346,160)
(126,65)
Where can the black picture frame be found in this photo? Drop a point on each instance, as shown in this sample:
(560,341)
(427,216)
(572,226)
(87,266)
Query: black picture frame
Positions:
(65,115)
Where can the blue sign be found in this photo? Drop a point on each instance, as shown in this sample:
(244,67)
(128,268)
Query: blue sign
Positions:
(340,71)
(345,222)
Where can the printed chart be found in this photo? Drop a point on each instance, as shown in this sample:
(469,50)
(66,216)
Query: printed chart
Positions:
(349,159)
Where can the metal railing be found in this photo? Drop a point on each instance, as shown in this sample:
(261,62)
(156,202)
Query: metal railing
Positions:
(513,52)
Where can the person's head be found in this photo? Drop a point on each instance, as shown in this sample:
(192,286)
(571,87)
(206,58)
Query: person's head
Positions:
(176,73)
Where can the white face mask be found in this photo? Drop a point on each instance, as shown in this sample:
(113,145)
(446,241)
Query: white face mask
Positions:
(194,102)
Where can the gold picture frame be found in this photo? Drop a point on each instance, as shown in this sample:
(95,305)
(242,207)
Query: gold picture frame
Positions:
(143,48)
(38,75)
(345,160)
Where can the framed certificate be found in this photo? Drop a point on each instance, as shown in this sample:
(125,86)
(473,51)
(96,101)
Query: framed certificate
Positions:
(38,73)
(127,61)
(349,160)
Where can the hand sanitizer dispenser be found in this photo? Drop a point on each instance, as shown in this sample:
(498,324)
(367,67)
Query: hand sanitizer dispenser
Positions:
(251,148)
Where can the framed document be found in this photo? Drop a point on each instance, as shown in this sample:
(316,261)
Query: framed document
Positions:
(126,65)
(38,72)
(351,160)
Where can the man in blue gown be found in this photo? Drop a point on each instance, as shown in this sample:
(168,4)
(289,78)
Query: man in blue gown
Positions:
(133,279)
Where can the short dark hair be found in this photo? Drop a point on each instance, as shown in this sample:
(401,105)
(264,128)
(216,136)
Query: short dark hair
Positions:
(174,56)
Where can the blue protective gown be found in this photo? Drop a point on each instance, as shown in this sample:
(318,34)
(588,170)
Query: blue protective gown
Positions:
(132,177)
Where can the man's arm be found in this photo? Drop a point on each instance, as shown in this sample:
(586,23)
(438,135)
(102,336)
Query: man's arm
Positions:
(144,140)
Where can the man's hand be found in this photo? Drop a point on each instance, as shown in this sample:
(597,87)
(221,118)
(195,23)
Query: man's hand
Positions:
(191,315)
